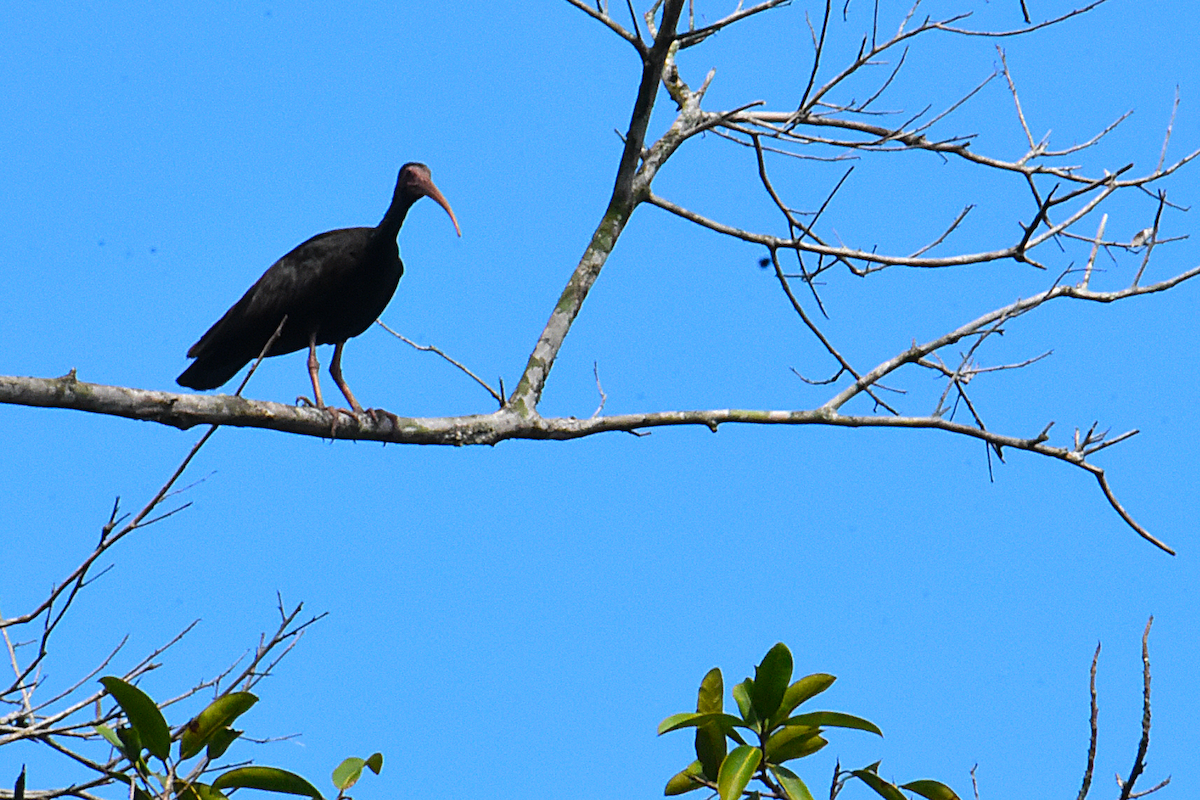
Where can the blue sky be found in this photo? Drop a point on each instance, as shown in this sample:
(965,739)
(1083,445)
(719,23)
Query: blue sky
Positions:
(523,616)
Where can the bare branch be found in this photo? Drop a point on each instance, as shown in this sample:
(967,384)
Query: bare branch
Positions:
(506,424)
(957,221)
(599,390)
(1151,240)
(845,365)
(697,35)
(1021,31)
(1162,156)
(528,393)
(1018,251)
(1034,148)
(910,140)
(1091,262)
(1139,761)
(818,49)
(1095,729)
(431,349)
(612,24)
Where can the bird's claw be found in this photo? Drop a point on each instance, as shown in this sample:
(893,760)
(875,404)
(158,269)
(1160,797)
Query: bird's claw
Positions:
(333,418)
(357,414)
(378,413)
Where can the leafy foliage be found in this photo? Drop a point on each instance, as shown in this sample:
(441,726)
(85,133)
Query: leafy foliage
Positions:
(146,734)
(774,735)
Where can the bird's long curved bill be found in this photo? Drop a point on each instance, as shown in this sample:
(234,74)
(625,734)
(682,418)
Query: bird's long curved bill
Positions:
(441,200)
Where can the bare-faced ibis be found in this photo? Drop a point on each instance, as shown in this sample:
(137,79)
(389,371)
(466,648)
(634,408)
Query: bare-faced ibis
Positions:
(331,288)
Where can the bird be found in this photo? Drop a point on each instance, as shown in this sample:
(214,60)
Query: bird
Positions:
(329,289)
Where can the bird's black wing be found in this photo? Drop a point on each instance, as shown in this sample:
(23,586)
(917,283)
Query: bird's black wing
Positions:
(296,285)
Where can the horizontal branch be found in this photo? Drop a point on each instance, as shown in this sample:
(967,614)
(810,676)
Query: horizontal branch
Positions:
(1015,251)
(187,410)
(899,139)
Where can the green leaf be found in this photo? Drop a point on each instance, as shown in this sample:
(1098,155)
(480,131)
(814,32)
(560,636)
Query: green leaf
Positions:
(932,790)
(677,721)
(686,780)
(220,742)
(131,743)
(350,770)
(199,791)
(771,679)
(794,741)
(711,698)
(143,715)
(833,719)
(741,693)
(802,691)
(269,779)
(710,749)
(131,747)
(737,770)
(791,784)
(109,735)
(710,737)
(886,790)
(219,714)
(690,719)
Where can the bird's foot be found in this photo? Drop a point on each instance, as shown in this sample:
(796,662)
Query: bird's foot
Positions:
(377,414)
(304,402)
(333,418)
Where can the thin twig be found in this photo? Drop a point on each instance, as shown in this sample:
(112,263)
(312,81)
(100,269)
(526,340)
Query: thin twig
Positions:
(1095,730)
(1151,241)
(612,24)
(1091,262)
(1139,761)
(1012,88)
(1162,156)
(600,389)
(431,349)
(818,49)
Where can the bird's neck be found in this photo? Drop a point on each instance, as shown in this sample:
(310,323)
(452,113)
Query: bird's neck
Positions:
(389,226)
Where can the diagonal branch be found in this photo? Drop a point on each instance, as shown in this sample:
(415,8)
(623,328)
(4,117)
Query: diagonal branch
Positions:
(1014,309)
(1095,730)
(1139,761)
(528,394)
(613,25)
(697,35)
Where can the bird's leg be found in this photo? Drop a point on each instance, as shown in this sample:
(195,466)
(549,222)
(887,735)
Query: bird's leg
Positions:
(314,368)
(314,372)
(335,369)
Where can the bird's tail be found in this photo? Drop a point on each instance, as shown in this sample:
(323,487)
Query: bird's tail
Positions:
(206,373)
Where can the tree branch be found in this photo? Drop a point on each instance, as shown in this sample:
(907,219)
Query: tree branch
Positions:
(528,394)
(186,410)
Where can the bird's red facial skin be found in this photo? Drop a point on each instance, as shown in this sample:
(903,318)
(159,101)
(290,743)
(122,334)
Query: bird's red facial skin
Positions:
(419,181)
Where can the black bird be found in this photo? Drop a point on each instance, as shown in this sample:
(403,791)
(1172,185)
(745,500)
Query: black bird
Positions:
(331,288)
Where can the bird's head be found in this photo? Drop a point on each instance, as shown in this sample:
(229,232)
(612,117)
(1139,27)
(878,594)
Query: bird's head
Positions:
(415,182)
